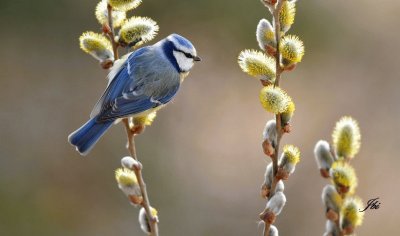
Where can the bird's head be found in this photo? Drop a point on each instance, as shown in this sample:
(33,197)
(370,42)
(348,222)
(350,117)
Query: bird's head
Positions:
(182,51)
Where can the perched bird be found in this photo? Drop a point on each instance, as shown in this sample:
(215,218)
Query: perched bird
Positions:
(139,83)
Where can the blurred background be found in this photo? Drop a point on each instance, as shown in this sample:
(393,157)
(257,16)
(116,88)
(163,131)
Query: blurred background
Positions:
(202,157)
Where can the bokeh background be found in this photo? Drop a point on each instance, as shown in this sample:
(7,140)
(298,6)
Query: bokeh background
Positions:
(202,156)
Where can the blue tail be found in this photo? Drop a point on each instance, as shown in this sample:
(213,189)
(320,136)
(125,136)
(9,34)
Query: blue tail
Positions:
(87,136)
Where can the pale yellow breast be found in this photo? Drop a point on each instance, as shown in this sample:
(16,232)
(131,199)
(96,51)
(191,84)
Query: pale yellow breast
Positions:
(145,113)
(183,75)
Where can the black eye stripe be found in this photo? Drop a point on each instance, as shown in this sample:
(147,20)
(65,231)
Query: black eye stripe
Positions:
(188,55)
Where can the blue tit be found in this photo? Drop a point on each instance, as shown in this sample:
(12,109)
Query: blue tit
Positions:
(139,83)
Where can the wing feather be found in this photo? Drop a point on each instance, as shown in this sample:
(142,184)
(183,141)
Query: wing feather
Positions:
(145,81)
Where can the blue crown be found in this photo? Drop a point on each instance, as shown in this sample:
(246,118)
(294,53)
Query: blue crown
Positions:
(181,40)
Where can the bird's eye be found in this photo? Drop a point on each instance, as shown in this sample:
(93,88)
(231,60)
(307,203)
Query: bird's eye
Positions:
(188,55)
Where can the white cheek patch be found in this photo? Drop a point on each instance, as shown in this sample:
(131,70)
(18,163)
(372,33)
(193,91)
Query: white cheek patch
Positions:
(184,63)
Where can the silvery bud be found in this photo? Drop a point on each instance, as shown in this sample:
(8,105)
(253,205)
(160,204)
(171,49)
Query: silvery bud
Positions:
(276,203)
(129,162)
(323,157)
(266,37)
(268,177)
(269,135)
(331,229)
(331,198)
(273,231)
(144,220)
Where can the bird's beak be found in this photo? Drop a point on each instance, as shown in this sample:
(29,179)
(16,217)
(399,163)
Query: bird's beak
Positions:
(196,58)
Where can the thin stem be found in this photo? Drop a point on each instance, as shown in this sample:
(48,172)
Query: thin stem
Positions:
(277,25)
(342,195)
(153,221)
(338,225)
(279,129)
(267,226)
(111,34)
(131,141)
(273,185)
(278,69)
(138,172)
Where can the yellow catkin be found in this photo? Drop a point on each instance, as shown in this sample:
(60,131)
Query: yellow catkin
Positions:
(154,212)
(138,29)
(145,120)
(274,99)
(257,64)
(346,137)
(350,212)
(287,15)
(344,175)
(292,153)
(124,5)
(292,49)
(288,113)
(125,177)
(90,41)
(101,13)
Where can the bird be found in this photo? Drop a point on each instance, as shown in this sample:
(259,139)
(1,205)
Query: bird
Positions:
(141,82)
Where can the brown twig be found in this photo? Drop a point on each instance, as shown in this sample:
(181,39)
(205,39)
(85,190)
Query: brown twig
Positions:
(342,195)
(153,221)
(111,33)
(267,227)
(279,129)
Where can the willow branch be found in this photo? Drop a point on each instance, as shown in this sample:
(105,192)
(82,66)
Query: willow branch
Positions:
(278,68)
(279,130)
(153,221)
(267,227)
(277,29)
(342,195)
(111,32)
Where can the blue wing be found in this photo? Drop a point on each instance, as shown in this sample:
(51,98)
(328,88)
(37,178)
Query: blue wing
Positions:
(144,82)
